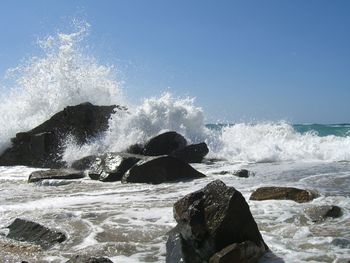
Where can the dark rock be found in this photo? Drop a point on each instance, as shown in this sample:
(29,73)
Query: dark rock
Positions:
(115,165)
(160,169)
(42,146)
(245,252)
(58,174)
(28,231)
(165,143)
(341,242)
(210,220)
(193,153)
(135,149)
(320,213)
(283,193)
(242,173)
(87,259)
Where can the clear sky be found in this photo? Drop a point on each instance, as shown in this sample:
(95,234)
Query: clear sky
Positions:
(242,60)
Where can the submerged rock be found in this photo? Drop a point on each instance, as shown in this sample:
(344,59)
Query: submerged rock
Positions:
(41,146)
(160,169)
(28,231)
(193,153)
(242,173)
(164,144)
(87,259)
(55,174)
(320,213)
(209,220)
(283,193)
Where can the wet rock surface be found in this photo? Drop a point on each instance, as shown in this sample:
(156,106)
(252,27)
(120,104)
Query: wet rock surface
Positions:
(160,169)
(283,193)
(165,143)
(320,213)
(58,174)
(32,232)
(88,259)
(193,153)
(210,220)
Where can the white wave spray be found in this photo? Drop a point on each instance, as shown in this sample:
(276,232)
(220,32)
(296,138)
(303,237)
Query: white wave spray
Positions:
(66,75)
(63,76)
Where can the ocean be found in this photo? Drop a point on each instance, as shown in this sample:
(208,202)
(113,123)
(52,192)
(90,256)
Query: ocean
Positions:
(129,222)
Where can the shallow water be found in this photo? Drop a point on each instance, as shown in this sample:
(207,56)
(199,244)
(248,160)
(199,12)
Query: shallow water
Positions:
(128,223)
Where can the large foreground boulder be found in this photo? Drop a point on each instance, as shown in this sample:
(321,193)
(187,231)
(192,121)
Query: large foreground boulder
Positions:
(159,170)
(283,193)
(28,231)
(209,220)
(58,174)
(42,146)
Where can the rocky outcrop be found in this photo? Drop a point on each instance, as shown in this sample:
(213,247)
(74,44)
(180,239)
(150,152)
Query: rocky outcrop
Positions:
(193,153)
(320,213)
(164,143)
(88,259)
(58,174)
(210,220)
(160,169)
(283,193)
(42,146)
(28,231)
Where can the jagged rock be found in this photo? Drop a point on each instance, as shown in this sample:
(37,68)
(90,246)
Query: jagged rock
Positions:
(283,193)
(59,174)
(28,231)
(87,259)
(41,146)
(165,143)
(160,169)
(193,153)
(210,220)
(320,213)
(245,252)
(115,165)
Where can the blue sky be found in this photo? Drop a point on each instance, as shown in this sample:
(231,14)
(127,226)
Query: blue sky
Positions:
(242,60)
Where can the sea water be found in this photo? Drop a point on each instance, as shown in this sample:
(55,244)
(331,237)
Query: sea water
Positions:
(129,222)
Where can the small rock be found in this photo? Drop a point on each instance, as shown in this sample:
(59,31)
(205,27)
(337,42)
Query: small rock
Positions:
(242,173)
(28,231)
(87,259)
(160,169)
(55,174)
(320,213)
(341,242)
(165,143)
(282,193)
(193,153)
